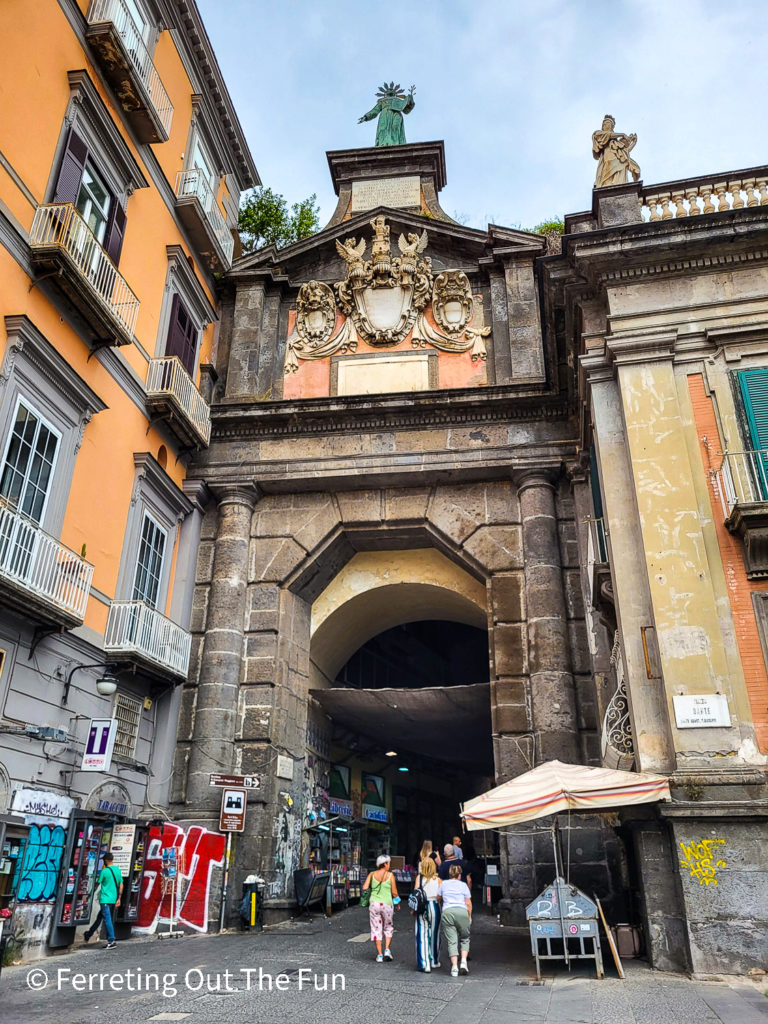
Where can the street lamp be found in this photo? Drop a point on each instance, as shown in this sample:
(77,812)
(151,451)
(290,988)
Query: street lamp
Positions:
(105,686)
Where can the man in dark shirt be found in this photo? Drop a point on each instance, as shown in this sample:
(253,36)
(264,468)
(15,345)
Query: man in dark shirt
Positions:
(451,858)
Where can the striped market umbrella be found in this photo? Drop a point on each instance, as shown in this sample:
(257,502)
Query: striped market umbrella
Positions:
(554,787)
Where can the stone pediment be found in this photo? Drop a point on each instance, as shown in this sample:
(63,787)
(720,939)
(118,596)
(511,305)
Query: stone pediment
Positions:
(450,244)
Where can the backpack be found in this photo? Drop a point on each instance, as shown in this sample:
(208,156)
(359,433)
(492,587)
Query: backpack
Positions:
(417,901)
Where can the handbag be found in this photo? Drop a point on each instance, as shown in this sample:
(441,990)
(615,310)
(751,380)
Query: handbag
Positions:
(365,897)
(417,901)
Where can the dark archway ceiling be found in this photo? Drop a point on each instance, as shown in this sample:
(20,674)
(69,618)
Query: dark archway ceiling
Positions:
(451,724)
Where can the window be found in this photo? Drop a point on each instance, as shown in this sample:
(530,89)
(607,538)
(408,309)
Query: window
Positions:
(80,182)
(128,715)
(149,567)
(754,392)
(29,461)
(182,336)
(201,160)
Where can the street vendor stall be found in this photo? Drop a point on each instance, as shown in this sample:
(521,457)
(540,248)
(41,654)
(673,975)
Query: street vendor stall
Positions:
(562,917)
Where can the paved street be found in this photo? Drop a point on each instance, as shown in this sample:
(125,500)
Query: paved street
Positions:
(501,987)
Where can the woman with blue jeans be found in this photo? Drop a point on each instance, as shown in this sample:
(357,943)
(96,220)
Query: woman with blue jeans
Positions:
(456,900)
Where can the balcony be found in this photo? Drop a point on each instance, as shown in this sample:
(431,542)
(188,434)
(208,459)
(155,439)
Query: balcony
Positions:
(599,567)
(742,485)
(137,633)
(63,244)
(47,580)
(200,214)
(171,393)
(125,60)
(693,197)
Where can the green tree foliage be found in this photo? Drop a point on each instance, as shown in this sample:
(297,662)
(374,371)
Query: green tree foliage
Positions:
(549,227)
(266,220)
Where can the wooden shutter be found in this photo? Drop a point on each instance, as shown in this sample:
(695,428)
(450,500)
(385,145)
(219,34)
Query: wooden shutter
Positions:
(182,336)
(113,237)
(71,169)
(754,391)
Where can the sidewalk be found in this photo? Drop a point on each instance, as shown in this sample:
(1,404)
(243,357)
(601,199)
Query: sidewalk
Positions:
(214,980)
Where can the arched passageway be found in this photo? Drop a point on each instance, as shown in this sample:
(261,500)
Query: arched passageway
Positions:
(399,656)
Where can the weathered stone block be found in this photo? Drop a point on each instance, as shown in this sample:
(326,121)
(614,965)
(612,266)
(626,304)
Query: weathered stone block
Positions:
(546,638)
(407,504)
(204,567)
(458,512)
(259,670)
(510,691)
(496,547)
(187,713)
(543,591)
(580,658)
(358,507)
(510,649)
(510,718)
(508,597)
(274,560)
(199,612)
(574,597)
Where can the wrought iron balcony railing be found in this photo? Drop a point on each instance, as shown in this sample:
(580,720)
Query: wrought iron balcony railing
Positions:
(137,631)
(134,57)
(59,232)
(171,389)
(598,545)
(52,577)
(742,479)
(193,184)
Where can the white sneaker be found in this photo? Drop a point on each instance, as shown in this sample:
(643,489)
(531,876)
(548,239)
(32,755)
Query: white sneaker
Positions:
(454,972)
(379,959)
(387,954)
(463,967)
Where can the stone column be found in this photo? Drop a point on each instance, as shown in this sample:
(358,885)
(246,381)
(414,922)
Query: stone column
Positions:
(213,748)
(555,724)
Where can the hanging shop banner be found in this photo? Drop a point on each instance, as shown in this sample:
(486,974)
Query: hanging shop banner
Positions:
(123,837)
(97,756)
(374,813)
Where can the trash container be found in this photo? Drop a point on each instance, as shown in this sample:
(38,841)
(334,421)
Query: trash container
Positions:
(252,903)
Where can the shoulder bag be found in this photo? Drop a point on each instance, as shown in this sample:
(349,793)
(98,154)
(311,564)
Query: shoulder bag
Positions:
(417,901)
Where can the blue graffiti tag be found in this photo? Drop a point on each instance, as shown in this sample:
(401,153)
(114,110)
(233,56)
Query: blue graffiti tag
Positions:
(41,862)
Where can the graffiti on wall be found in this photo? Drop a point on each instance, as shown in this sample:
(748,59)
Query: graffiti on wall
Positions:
(198,851)
(700,859)
(40,870)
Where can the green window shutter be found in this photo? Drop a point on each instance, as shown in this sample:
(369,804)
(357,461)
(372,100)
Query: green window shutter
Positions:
(754,392)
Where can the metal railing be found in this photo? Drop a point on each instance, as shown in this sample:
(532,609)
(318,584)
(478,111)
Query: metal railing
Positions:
(133,627)
(60,225)
(117,12)
(37,562)
(741,479)
(691,197)
(598,543)
(194,183)
(167,376)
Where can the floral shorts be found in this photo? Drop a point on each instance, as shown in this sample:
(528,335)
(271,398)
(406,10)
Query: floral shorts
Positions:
(381,916)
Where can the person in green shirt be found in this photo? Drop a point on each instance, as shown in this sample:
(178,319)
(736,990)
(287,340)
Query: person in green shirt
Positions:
(111,891)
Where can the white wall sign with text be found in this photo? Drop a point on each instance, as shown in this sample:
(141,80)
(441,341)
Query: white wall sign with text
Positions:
(702,711)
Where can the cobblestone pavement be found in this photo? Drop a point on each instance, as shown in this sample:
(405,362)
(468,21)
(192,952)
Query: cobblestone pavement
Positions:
(500,989)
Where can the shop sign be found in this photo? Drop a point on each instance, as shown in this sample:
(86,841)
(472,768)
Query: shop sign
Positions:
(121,847)
(702,711)
(97,756)
(232,817)
(38,804)
(374,813)
(109,798)
(346,810)
(242,781)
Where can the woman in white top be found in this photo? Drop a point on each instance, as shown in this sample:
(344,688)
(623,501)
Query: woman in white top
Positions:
(427,927)
(456,900)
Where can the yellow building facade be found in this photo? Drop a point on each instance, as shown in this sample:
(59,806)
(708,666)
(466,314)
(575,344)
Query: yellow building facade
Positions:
(122,162)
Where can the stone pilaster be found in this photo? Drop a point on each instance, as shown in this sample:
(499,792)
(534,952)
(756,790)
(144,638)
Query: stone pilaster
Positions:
(555,723)
(213,747)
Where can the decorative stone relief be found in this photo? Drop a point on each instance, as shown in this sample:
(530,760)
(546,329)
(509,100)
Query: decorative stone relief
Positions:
(383,299)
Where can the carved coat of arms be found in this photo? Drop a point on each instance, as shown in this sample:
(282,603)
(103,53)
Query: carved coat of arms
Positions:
(383,299)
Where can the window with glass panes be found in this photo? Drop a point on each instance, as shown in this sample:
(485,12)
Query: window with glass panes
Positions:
(94,201)
(149,566)
(29,462)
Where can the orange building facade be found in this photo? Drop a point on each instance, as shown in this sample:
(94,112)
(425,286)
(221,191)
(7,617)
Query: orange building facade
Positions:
(122,162)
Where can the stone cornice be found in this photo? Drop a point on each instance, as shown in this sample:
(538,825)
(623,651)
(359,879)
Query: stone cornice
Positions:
(648,347)
(362,413)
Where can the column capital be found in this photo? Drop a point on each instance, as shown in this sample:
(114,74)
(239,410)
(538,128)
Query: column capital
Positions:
(539,477)
(236,493)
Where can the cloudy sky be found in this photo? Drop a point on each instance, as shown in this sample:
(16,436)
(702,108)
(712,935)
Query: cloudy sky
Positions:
(515,88)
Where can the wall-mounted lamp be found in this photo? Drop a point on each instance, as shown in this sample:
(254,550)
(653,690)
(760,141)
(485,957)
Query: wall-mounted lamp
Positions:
(106,685)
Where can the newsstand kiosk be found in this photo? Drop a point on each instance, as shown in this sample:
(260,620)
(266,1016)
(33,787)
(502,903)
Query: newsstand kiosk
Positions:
(89,836)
